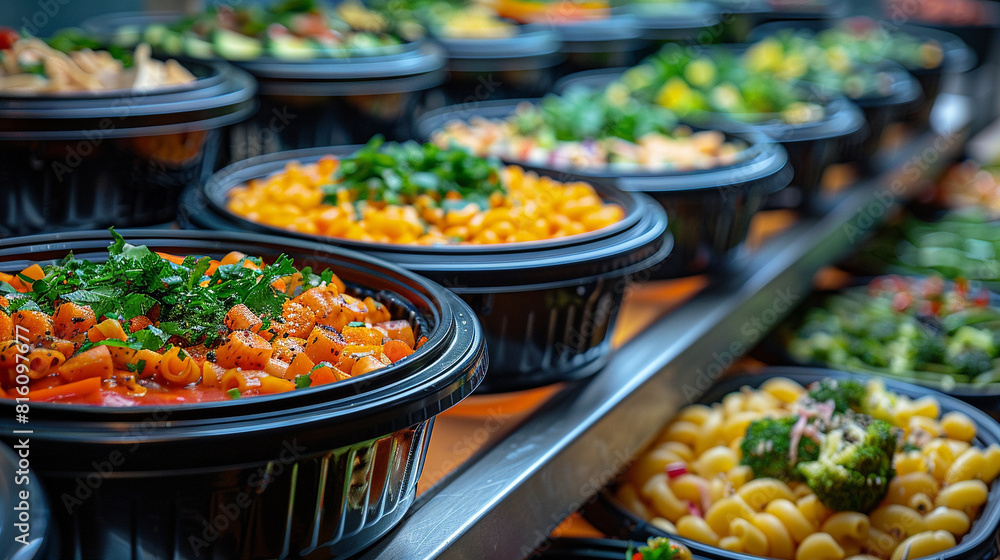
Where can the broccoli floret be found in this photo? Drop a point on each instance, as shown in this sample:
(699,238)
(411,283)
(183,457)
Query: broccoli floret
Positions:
(971,362)
(967,337)
(766,446)
(882,329)
(869,351)
(854,466)
(930,350)
(656,548)
(845,394)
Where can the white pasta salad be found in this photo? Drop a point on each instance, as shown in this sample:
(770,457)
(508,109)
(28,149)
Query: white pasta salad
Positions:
(838,470)
(593,130)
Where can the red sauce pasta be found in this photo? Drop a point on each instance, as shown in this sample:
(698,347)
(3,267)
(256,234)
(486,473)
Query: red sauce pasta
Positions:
(152,328)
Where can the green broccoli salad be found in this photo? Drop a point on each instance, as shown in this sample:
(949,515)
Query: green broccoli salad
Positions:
(918,329)
(835,443)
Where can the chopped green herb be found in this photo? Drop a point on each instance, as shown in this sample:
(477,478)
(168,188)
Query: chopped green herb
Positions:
(233,393)
(302,381)
(394,173)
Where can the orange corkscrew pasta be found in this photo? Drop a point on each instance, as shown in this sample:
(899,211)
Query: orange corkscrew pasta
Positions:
(185,329)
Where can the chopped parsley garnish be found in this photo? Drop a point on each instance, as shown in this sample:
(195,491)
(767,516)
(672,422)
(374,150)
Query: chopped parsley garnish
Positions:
(395,173)
(233,393)
(189,305)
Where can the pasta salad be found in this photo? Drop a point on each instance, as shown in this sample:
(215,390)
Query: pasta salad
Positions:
(147,328)
(836,470)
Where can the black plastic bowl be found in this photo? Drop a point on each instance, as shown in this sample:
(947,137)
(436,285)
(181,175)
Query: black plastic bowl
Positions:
(674,22)
(730,194)
(335,101)
(774,350)
(314,473)
(811,147)
(507,68)
(25,515)
(958,57)
(94,159)
(322,101)
(610,516)
(548,308)
(599,43)
(883,109)
(587,549)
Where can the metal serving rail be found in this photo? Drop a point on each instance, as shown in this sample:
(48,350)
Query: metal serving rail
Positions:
(502,503)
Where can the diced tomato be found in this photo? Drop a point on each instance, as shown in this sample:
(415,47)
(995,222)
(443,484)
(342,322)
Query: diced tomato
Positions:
(982,298)
(961,286)
(8,37)
(901,301)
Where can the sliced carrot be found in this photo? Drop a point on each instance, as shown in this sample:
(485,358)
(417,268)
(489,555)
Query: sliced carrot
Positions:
(176,259)
(6,327)
(243,349)
(271,384)
(139,322)
(65,347)
(276,368)
(95,362)
(232,258)
(366,364)
(399,330)
(108,328)
(326,374)
(300,365)
(420,342)
(122,357)
(286,348)
(75,389)
(363,336)
(31,325)
(72,319)
(396,350)
(324,344)
(299,319)
(211,374)
(245,381)
(241,318)
(377,312)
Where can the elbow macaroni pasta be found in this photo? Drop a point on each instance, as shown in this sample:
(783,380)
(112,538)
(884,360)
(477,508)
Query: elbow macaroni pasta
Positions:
(930,505)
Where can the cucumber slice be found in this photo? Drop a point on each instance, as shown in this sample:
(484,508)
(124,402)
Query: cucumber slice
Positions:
(292,48)
(198,48)
(233,46)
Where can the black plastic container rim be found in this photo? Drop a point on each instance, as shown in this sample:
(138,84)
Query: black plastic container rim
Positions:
(958,57)
(208,76)
(219,184)
(904,89)
(842,117)
(50,118)
(107,25)
(678,16)
(415,59)
(588,549)
(528,42)
(979,539)
(612,29)
(15,480)
(762,159)
(442,372)
(637,242)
